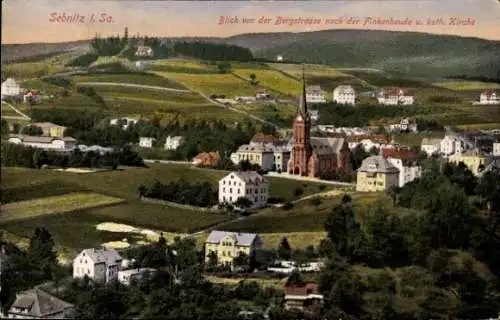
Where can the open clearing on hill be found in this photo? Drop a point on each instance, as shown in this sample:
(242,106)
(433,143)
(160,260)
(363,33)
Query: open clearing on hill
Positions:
(208,84)
(272,79)
(466,85)
(133,78)
(55,204)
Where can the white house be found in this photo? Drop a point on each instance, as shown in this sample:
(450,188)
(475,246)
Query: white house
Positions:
(32,96)
(329,128)
(496,149)
(10,88)
(344,95)
(431,146)
(314,115)
(489,96)
(143,65)
(395,96)
(144,51)
(100,265)
(369,142)
(249,184)
(124,122)
(172,143)
(314,94)
(262,94)
(259,154)
(127,276)
(38,304)
(406,162)
(46,143)
(451,145)
(146,142)
(404,125)
(279,58)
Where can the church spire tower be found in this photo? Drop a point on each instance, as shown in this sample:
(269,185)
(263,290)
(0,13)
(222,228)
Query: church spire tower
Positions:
(303,101)
(301,150)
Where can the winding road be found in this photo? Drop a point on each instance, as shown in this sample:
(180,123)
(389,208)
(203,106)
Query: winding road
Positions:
(132,85)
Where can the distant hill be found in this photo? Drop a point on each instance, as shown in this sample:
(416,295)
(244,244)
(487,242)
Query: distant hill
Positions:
(14,52)
(405,53)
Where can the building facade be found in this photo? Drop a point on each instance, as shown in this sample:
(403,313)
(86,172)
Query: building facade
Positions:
(146,142)
(314,94)
(227,245)
(315,157)
(395,96)
(303,297)
(405,125)
(126,277)
(100,265)
(406,162)
(344,95)
(475,161)
(125,123)
(45,143)
(144,51)
(248,184)
(431,146)
(10,88)
(173,143)
(50,129)
(489,96)
(496,149)
(451,145)
(260,155)
(376,174)
(37,304)
(368,142)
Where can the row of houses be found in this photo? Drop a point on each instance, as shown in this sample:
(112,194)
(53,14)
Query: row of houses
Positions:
(11,89)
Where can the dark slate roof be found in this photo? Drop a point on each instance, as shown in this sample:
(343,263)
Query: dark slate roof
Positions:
(39,303)
(377,164)
(327,145)
(242,239)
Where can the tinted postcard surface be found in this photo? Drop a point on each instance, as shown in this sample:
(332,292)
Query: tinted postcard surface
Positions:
(250,159)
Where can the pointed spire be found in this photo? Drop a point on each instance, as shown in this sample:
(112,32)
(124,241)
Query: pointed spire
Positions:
(303,103)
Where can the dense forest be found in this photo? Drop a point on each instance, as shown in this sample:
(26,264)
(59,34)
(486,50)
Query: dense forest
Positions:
(181,191)
(126,47)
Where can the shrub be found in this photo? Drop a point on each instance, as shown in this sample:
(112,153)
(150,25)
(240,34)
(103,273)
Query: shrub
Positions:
(288,206)
(316,201)
(298,191)
(83,61)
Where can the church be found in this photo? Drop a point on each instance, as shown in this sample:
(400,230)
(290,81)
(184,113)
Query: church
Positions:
(313,156)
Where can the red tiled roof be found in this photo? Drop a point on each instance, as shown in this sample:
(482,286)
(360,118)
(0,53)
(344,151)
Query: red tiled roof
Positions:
(488,92)
(400,154)
(306,289)
(396,92)
(375,138)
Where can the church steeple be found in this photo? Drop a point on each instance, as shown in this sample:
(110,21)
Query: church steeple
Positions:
(303,102)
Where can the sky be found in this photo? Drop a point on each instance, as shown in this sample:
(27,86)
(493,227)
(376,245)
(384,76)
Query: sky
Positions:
(34,21)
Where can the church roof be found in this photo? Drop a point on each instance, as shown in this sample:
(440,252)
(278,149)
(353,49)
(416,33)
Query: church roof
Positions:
(303,104)
(327,145)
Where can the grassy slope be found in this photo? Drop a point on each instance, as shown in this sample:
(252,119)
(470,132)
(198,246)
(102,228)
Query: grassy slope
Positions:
(122,184)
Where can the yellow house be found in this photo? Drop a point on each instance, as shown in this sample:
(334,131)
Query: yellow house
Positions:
(475,161)
(228,245)
(376,174)
(49,129)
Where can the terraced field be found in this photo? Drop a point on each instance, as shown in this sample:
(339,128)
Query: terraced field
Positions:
(273,80)
(208,84)
(40,190)
(134,78)
(466,85)
(54,204)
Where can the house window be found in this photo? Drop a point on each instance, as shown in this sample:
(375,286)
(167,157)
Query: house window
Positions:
(231,190)
(223,189)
